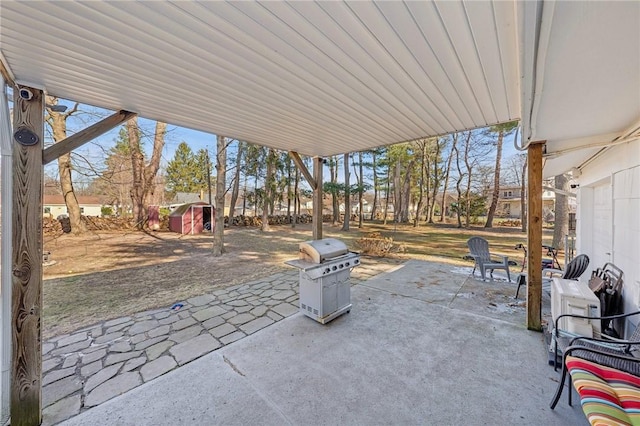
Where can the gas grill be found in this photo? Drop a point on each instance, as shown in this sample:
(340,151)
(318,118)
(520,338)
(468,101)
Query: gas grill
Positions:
(325,267)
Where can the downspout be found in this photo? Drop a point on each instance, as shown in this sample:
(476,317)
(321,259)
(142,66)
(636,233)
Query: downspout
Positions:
(6,200)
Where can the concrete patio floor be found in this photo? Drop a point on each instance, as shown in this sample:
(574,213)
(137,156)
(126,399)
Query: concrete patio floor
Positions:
(423,344)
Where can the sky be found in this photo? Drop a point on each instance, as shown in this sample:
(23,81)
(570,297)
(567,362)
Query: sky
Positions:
(93,151)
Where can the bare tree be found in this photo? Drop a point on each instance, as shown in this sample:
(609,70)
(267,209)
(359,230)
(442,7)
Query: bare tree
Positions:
(221,178)
(458,186)
(422,148)
(268,188)
(347,194)
(502,130)
(143,175)
(333,187)
(518,173)
(236,180)
(296,197)
(443,206)
(387,190)
(469,166)
(561,216)
(523,196)
(58,122)
(435,177)
(360,191)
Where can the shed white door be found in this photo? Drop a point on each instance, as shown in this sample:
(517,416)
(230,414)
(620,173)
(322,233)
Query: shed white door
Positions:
(602,230)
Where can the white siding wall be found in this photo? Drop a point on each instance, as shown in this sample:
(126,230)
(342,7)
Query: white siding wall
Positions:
(618,172)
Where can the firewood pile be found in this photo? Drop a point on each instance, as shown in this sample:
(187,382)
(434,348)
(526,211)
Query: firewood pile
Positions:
(256,221)
(56,227)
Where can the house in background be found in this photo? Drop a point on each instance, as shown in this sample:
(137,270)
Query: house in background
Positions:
(509,202)
(54,206)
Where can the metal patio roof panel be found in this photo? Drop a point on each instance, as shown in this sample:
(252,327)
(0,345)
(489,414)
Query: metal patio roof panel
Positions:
(317,77)
(590,82)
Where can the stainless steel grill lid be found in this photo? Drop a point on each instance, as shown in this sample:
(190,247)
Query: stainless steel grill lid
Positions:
(319,251)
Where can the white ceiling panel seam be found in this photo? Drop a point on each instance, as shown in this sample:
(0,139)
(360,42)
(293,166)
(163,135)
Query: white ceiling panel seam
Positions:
(372,42)
(276,93)
(355,69)
(426,85)
(410,86)
(322,90)
(465,54)
(401,111)
(436,33)
(144,91)
(484,61)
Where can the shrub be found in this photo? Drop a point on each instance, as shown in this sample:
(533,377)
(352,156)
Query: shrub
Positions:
(375,244)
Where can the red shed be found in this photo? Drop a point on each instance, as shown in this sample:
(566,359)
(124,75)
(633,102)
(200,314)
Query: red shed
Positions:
(192,218)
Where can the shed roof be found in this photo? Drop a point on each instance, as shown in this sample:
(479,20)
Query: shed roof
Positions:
(180,210)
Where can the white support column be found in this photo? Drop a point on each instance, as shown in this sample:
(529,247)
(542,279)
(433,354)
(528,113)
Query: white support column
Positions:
(6,179)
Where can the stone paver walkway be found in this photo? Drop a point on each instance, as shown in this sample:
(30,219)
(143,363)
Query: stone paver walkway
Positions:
(90,366)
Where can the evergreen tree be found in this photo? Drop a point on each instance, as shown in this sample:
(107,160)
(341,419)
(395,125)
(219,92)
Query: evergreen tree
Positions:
(183,174)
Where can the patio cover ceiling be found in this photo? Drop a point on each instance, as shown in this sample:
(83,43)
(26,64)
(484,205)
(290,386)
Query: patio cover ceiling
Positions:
(324,78)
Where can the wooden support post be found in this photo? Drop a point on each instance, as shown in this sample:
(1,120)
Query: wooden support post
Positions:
(26,366)
(534,236)
(318,164)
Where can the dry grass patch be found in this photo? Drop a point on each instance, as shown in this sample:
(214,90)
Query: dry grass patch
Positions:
(108,274)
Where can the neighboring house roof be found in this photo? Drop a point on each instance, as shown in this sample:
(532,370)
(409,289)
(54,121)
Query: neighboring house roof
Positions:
(187,197)
(58,199)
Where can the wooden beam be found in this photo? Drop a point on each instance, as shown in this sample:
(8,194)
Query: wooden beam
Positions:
(318,164)
(534,236)
(78,139)
(6,71)
(303,168)
(26,300)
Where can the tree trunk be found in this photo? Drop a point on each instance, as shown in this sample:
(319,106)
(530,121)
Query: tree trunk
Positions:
(221,179)
(436,181)
(386,198)
(333,175)
(496,182)
(443,206)
(523,198)
(289,190)
(58,123)
(268,190)
(406,187)
(561,221)
(151,169)
(236,182)
(467,195)
(423,155)
(374,207)
(360,192)
(397,193)
(459,187)
(136,191)
(296,198)
(347,195)
(143,176)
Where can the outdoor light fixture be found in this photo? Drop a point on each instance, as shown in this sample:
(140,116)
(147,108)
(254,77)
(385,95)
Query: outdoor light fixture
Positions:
(57,108)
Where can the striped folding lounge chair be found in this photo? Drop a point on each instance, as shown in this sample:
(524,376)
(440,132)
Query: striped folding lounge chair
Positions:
(608,385)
